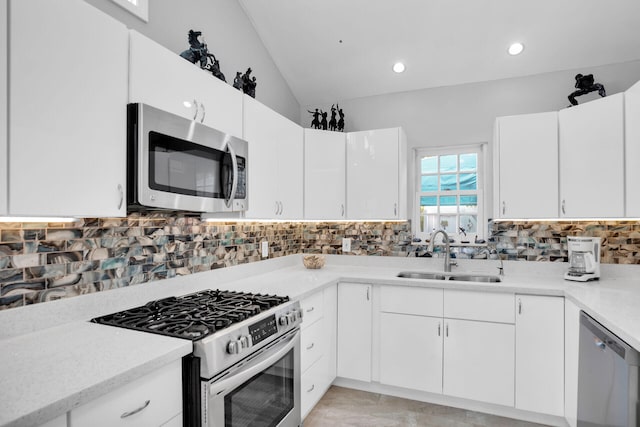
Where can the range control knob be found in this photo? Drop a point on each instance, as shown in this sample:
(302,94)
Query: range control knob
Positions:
(245,341)
(233,347)
(284,320)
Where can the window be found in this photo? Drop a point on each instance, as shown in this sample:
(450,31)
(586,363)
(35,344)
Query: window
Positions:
(449,191)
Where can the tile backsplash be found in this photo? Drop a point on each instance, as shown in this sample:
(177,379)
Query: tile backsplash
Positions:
(43,262)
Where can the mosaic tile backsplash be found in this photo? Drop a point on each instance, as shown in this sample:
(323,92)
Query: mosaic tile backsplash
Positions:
(44,262)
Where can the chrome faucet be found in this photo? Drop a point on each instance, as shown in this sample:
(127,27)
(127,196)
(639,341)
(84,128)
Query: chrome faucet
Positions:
(491,252)
(447,250)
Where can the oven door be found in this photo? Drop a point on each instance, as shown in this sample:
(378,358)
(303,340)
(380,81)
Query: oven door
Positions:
(261,391)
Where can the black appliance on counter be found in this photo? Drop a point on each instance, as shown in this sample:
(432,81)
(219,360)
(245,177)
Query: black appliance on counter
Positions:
(245,367)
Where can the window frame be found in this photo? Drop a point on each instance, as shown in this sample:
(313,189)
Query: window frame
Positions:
(480,149)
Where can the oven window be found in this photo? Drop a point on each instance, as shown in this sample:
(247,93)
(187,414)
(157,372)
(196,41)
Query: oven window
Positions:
(182,167)
(265,399)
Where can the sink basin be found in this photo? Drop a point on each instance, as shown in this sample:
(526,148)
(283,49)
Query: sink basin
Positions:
(475,278)
(422,275)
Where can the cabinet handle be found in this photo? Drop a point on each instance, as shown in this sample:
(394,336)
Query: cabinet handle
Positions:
(311,389)
(519,306)
(135,411)
(277,207)
(395,209)
(342,209)
(368,296)
(121,192)
(563,210)
(281,208)
(504,207)
(204,112)
(446,330)
(309,310)
(438,328)
(311,346)
(195,116)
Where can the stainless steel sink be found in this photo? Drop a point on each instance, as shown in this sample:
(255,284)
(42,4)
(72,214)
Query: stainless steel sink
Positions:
(427,275)
(475,278)
(422,275)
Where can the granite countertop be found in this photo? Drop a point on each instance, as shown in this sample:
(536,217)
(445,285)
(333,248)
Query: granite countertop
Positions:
(53,355)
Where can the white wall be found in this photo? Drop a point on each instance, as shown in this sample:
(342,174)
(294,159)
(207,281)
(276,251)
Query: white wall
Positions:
(465,114)
(229,35)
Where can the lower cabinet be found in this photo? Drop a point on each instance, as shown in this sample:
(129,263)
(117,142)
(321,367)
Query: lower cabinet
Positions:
(153,400)
(318,346)
(354,331)
(540,354)
(571,348)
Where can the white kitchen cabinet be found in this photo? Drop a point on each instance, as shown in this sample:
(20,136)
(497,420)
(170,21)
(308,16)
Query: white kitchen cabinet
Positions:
(67,104)
(3,109)
(354,331)
(540,354)
(479,361)
(377,174)
(324,175)
(592,158)
(163,79)
(318,346)
(275,163)
(571,347)
(152,400)
(632,150)
(526,166)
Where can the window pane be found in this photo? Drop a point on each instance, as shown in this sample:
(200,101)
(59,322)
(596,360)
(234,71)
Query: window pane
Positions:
(448,182)
(429,164)
(429,183)
(468,162)
(428,201)
(448,223)
(468,200)
(449,163)
(428,223)
(469,223)
(448,200)
(468,181)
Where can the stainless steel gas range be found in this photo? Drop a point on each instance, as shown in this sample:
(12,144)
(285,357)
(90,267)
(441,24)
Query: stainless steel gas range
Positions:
(245,367)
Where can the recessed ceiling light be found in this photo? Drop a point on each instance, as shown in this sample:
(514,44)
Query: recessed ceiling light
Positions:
(398,67)
(516,49)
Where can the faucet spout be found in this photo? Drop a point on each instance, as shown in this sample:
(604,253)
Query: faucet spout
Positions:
(447,249)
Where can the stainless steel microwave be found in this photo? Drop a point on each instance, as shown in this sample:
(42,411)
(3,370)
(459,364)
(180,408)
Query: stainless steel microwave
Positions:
(177,164)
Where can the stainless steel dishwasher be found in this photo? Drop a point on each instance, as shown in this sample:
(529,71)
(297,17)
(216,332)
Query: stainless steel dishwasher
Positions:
(607,378)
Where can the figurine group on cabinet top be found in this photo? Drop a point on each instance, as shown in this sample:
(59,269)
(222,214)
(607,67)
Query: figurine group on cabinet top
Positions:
(319,120)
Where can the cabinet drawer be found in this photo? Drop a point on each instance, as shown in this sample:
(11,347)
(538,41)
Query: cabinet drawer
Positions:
(311,309)
(311,345)
(162,390)
(410,300)
(313,385)
(473,305)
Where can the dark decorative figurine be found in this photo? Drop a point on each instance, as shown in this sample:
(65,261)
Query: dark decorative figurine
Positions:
(585,84)
(333,123)
(315,123)
(323,122)
(237,80)
(341,119)
(198,52)
(245,83)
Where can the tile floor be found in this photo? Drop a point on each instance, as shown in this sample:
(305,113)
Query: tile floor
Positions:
(346,407)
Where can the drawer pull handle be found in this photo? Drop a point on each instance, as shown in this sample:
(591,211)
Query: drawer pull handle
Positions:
(135,411)
(309,310)
(310,347)
(311,389)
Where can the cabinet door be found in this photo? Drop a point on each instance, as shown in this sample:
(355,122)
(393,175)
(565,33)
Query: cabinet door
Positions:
(354,331)
(275,163)
(540,354)
(68,95)
(373,174)
(330,305)
(632,150)
(3,109)
(324,174)
(527,166)
(411,351)
(192,92)
(479,361)
(571,347)
(592,159)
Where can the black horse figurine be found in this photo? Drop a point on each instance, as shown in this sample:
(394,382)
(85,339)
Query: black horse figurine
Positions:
(585,84)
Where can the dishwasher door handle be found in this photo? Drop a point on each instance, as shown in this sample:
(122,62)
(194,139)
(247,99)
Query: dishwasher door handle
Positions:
(600,344)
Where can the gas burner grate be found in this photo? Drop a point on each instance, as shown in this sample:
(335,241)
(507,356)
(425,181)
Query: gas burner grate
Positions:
(193,316)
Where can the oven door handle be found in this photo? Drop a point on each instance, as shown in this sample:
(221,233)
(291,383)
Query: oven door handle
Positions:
(257,366)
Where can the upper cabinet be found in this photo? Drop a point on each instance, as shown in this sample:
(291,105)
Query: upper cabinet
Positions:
(67,100)
(3,108)
(377,174)
(632,149)
(324,175)
(592,158)
(275,163)
(520,142)
(167,81)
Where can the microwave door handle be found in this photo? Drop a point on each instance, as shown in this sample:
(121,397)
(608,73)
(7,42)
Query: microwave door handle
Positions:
(234,183)
(238,378)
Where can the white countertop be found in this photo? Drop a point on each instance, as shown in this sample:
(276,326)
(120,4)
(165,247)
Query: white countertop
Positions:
(53,360)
